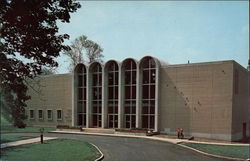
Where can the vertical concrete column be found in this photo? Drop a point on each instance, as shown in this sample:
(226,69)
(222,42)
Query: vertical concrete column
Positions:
(120,97)
(88,100)
(74,98)
(157,72)
(138,97)
(104,98)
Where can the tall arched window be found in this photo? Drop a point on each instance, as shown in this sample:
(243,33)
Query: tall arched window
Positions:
(82,98)
(148,67)
(96,72)
(113,77)
(129,68)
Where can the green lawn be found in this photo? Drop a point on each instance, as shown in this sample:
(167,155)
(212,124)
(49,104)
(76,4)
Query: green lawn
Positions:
(222,150)
(27,129)
(63,150)
(9,138)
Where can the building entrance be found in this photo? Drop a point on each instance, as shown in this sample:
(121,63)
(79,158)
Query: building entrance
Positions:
(113,121)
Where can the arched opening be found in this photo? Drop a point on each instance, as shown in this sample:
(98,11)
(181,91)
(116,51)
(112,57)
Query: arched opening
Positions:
(96,81)
(81,75)
(129,76)
(148,84)
(113,76)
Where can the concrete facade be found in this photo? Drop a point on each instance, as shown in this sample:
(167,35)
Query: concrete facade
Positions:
(205,99)
(50,93)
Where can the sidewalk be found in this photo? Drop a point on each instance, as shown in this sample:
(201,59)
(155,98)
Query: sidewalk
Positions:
(27,141)
(174,141)
(170,140)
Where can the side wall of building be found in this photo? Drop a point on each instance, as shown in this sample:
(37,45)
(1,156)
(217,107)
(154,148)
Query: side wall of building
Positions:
(197,98)
(240,103)
(53,93)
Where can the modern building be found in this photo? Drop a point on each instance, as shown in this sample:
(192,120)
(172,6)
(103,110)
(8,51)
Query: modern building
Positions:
(205,99)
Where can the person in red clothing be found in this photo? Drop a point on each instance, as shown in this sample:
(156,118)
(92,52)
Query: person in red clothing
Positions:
(178,132)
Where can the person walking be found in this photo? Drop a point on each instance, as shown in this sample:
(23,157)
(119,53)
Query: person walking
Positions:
(181,133)
(178,132)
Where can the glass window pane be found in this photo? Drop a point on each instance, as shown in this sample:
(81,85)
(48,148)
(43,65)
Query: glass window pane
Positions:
(100,79)
(84,93)
(145,91)
(144,121)
(152,107)
(94,80)
(152,122)
(59,114)
(133,92)
(152,91)
(127,92)
(152,63)
(80,80)
(152,76)
(110,109)
(133,121)
(85,80)
(133,77)
(80,119)
(84,107)
(145,79)
(94,120)
(127,77)
(116,109)
(145,63)
(110,94)
(95,93)
(80,107)
(126,65)
(116,78)
(110,79)
(99,93)
(133,64)
(80,96)
(127,110)
(116,93)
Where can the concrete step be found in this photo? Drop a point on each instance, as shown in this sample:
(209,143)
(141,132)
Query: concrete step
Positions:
(99,130)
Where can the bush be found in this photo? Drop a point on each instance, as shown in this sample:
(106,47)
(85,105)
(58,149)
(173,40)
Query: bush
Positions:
(20,124)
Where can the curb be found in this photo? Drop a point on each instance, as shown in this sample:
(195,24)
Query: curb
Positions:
(213,155)
(157,139)
(102,156)
(125,136)
(17,143)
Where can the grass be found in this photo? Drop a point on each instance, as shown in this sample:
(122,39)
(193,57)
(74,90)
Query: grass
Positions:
(26,129)
(233,151)
(6,126)
(10,138)
(63,150)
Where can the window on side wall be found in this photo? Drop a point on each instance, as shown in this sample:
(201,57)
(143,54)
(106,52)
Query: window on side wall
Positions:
(49,114)
(32,116)
(40,114)
(59,114)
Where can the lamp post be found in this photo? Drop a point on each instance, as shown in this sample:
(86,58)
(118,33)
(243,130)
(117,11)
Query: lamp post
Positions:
(41,135)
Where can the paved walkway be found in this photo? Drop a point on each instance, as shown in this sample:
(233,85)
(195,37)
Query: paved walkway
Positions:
(27,141)
(170,140)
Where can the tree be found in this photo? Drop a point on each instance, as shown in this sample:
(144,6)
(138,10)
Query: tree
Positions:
(29,40)
(81,47)
(48,71)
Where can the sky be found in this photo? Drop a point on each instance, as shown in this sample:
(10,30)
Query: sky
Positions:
(173,31)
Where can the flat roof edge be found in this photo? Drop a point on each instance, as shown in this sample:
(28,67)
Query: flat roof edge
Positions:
(201,63)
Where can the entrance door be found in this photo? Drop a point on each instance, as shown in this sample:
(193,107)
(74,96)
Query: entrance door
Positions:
(113,121)
(130,121)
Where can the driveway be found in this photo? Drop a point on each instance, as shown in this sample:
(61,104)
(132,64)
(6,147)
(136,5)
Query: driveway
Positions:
(135,149)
